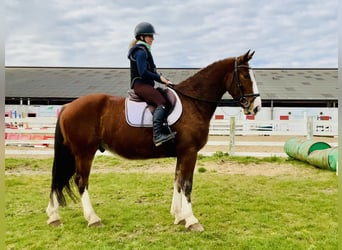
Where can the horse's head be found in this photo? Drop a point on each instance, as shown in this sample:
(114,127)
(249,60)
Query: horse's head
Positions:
(242,85)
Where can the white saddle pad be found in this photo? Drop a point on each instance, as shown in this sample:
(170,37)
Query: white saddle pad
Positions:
(138,115)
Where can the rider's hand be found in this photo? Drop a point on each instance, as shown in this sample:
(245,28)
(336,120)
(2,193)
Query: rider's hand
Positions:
(169,84)
(164,80)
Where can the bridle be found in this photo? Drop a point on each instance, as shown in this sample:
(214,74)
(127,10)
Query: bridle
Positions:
(242,100)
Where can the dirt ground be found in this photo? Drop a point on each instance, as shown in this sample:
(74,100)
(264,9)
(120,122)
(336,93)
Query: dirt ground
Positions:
(263,169)
(266,169)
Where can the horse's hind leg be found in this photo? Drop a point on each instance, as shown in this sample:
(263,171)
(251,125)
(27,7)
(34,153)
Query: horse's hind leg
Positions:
(181,206)
(52,211)
(83,165)
(88,211)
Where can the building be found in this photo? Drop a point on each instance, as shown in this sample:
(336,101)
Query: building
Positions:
(279,87)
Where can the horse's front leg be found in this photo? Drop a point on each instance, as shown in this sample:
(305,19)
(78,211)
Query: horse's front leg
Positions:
(181,206)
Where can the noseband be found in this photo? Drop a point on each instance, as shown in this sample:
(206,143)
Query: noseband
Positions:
(242,100)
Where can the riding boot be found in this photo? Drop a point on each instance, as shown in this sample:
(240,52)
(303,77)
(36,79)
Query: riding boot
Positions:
(158,119)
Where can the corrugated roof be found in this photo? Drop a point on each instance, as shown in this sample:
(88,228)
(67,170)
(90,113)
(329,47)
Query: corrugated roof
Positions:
(274,84)
(297,84)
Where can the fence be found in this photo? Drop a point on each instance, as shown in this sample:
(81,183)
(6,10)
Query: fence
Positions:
(39,131)
(30,131)
(308,127)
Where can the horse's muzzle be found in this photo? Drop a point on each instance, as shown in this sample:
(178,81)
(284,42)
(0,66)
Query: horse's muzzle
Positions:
(252,110)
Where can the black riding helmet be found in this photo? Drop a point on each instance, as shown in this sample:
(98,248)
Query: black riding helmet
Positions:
(143,29)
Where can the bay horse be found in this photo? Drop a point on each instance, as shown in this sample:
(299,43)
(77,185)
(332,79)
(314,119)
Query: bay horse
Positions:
(98,121)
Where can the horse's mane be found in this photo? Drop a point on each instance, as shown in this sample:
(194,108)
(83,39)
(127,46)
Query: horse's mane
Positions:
(204,73)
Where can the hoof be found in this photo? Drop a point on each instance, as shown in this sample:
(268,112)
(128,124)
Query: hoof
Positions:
(179,222)
(55,223)
(96,224)
(197,227)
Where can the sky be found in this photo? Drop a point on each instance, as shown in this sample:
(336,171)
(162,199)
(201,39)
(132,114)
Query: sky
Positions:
(191,34)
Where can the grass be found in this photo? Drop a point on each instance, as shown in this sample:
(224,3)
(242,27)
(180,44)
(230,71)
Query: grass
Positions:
(237,211)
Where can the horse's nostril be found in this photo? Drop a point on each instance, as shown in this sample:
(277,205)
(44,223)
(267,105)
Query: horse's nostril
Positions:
(256,109)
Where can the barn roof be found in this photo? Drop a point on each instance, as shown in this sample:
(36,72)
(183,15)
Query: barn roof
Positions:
(69,83)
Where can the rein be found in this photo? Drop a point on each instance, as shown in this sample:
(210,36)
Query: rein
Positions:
(242,99)
(172,86)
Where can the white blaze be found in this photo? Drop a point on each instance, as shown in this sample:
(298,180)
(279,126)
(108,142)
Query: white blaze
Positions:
(257,100)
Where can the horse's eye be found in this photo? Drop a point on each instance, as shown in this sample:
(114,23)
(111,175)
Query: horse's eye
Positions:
(246,76)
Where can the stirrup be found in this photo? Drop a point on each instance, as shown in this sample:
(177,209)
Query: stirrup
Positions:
(164,138)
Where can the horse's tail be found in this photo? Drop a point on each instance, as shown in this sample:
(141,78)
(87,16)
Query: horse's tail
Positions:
(63,168)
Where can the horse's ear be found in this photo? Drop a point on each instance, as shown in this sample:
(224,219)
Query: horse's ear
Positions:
(248,56)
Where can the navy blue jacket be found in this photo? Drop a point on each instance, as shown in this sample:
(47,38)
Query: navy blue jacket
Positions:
(143,69)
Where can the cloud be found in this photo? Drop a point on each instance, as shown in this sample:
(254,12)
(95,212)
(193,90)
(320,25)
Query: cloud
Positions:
(284,33)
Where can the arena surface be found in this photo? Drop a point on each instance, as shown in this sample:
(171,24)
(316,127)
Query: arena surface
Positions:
(268,146)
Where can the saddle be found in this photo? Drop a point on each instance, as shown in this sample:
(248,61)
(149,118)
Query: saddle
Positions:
(140,114)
